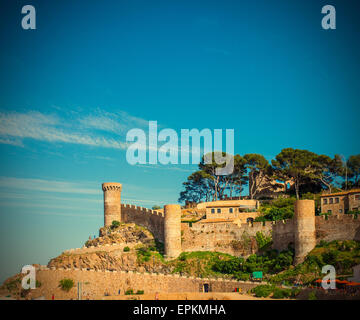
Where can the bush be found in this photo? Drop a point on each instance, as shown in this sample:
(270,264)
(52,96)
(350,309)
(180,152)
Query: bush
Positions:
(262,240)
(263,291)
(242,276)
(140,292)
(115,224)
(143,254)
(228,266)
(126,249)
(129,292)
(66,284)
(281,293)
(312,296)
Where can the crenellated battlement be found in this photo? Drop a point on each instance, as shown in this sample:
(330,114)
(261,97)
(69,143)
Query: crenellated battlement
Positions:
(142,209)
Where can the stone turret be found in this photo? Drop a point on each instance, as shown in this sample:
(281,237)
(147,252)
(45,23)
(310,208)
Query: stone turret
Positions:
(305,236)
(172,230)
(112,202)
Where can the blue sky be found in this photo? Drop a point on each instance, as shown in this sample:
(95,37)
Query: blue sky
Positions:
(72,88)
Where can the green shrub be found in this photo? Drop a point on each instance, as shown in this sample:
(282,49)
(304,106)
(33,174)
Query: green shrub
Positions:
(263,291)
(182,256)
(262,240)
(66,284)
(281,293)
(312,296)
(242,276)
(140,292)
(115,224)
(129,292)
(295,292)
(143,254)
(126,249)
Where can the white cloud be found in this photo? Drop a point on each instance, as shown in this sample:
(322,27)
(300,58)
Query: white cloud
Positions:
(118,123)
(48,186)
(14,127)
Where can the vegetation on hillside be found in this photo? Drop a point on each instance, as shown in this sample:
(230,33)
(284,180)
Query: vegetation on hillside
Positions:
(343,255)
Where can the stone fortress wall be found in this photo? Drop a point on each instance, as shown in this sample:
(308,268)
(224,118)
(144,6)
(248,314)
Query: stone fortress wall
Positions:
(150,219)
(95,284)
(304,231)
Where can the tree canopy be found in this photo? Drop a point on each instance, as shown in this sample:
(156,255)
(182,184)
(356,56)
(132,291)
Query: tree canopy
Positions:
(306,170)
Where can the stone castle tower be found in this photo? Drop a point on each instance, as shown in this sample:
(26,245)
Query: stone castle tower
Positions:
(172,230)
(172,218)
(304,233)
(112,202)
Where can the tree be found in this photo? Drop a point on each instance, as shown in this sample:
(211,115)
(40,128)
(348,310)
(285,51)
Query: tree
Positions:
(258,167)
(238,179)
(156,207)
(353,165)
(296,164)
(328,169)
(220,183)
(205,184)
(197,188)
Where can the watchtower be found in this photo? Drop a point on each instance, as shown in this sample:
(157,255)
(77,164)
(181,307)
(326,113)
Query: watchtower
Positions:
(112,202)
(305,236)
(172,230)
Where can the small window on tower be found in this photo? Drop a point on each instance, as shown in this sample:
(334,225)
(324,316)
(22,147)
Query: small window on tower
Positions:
(325,201)
(336,200)
(331,201)
(218,210)
(212,210)
(231,210)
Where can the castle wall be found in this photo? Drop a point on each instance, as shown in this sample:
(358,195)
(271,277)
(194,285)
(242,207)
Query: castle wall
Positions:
(150,219)
(283,234)
(338,227)
(225,237)
(96,283)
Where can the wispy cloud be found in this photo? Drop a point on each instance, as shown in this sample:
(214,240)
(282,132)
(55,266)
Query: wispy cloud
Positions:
(16,126)
(17,188)
(118,123)
(48,186)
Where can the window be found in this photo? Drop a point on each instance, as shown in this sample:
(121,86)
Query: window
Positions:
(331,201)
(249,220)
(219,210)
(231,210)
(340,211)
(325,201)
(212,210)
(357,197)
(336,200)
(329,211)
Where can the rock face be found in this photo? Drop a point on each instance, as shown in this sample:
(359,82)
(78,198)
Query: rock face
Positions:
(125,233)
(116,249)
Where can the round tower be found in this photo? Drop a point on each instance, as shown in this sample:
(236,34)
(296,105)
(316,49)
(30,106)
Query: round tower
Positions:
(305,236)
(112,206)
(172,230)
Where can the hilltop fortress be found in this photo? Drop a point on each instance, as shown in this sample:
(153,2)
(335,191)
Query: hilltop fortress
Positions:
(303,231)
